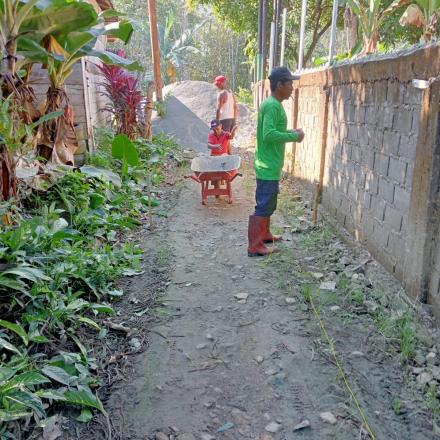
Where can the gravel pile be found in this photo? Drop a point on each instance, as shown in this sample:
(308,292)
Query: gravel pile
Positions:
(190,108)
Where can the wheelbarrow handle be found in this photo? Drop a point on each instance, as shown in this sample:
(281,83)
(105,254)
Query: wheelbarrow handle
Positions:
(195,178)
(238,174)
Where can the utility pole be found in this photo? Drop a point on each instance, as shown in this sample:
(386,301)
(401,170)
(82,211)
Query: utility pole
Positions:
(155,50)
(276,20)
(259,63)
(264,50)
(302,34)
(283,37)
(272,47)
(331,49)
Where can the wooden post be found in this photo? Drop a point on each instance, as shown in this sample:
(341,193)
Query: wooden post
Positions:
(148,111)
(155,50)
(325,95)
(294,124)
(423,215)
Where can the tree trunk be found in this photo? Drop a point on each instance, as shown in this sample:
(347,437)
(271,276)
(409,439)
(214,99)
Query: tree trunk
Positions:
(7,174)
(369,45)
(316,38)
(351,29)
(148,132)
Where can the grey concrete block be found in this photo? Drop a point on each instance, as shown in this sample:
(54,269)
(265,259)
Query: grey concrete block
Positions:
(356,154)
(393,218)
(415,121)
(367,225)
(381,162)
(404,224)
(345,204)
(367,158)
(349,170)
(402,120)
(407,147)
(371,183)
(359,114)
(380,234)
(378,208)
(380,91)
(349,224)
(395,94)
(346,150)
(397,170)
(409,175)
(338,149)
(376,139)
(372,115)
(359,173)
(364,136)
(349,110)
(352,192)
(387,115)
(386,190)
(391,141)
(365,199)
(412,96)
(402,198)
(353,133)
(396,245)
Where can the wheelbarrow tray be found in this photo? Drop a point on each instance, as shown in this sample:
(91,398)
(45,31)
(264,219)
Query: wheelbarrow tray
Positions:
(219,171)
(203,164)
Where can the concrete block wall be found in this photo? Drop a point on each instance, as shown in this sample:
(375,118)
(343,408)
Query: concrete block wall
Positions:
(377,138)
(308,152)
(372,134)
(373,144)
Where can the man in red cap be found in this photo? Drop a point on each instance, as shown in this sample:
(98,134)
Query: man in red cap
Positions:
(226,111)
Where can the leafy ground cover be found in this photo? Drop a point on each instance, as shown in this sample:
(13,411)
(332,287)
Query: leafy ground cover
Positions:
(59,257)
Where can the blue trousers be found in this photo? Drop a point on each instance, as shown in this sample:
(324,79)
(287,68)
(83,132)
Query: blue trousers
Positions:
(266,197)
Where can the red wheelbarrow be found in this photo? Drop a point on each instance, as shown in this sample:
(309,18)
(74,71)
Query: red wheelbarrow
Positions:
(217,171)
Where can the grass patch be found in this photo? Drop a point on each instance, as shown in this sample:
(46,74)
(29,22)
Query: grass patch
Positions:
(316,238)
(164,255)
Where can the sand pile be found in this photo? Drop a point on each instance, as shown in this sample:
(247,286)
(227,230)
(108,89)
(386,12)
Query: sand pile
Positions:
(190,108)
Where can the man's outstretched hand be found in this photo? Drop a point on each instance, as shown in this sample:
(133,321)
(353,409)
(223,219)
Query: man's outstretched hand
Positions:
(300,133)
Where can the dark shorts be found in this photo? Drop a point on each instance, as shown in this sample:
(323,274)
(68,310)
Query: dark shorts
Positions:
(227,124)
(266,197)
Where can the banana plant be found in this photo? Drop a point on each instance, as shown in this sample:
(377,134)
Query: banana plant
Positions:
(56,139)
(173,50)
(371,14)
(422,14)
(23,24)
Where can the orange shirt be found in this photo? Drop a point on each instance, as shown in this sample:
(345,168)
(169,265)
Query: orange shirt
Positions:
(222,140)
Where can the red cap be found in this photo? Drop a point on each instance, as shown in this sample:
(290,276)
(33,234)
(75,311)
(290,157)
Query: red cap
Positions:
(219,80)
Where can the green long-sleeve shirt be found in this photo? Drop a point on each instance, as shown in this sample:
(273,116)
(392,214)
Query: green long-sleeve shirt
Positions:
(272,136)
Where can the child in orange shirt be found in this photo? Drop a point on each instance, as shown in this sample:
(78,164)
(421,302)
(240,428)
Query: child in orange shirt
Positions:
(219,140)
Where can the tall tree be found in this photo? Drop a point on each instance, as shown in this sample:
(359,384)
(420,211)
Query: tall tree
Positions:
(242,17)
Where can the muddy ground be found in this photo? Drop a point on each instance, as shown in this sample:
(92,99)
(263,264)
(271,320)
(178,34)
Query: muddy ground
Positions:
(315,342)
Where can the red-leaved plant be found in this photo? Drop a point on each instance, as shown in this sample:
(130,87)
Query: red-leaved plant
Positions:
(122,89)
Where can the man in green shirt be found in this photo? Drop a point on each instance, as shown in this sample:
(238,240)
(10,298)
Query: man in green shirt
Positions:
(272,135)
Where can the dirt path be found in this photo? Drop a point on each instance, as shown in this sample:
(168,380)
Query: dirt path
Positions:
(221,367)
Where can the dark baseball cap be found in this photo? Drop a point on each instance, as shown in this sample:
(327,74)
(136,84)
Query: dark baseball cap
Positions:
(281,74)
(215,123)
